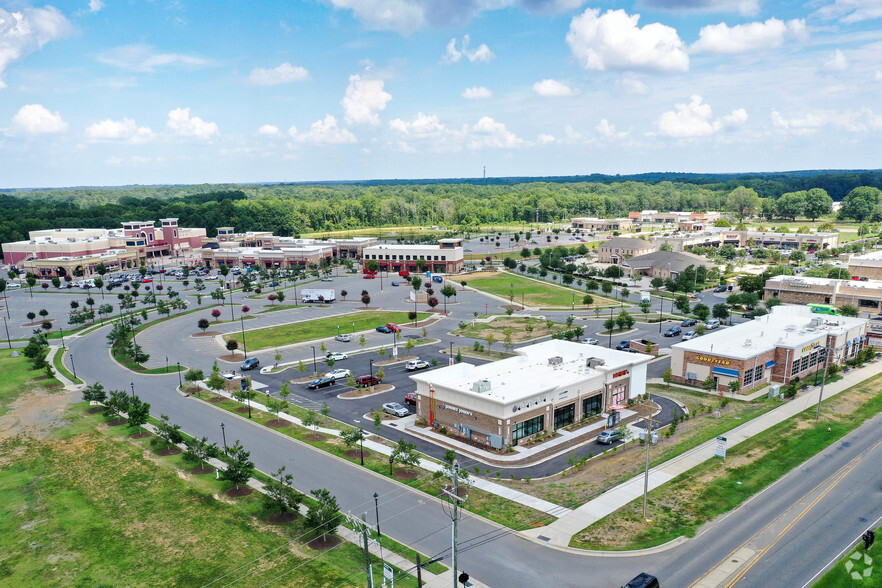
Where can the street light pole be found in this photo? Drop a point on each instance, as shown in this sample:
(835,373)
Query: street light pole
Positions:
(224,434)
(377,511)
(73,368)
(61,330)
(610,327)
(133,389)
(244,346)
(661,314)
(314,368)
(371,366)
(823,381)
(648,443)
(361,440)
(6,326)
(180,382)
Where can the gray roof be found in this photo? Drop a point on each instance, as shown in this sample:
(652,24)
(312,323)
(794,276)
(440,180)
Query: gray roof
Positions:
(678,261)
(627,243)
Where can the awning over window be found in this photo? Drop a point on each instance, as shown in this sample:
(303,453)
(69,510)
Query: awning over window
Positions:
(770,363)
(718,371)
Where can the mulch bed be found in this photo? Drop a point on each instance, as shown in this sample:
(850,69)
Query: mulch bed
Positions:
(207,334)
(232,358)
(356,454)
(461,491)
(241,491)
(362,392)
(242,409)
(216,399)
(95,410)
(514,307)
(305,380)
(329,543)
(169,451)
(405,475)
(315,437)
(141,435)
(117,423)
(200,471)
(277,423)
(37,323)
(280,518)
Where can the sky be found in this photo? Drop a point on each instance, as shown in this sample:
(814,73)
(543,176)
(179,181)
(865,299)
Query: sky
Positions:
(117,92)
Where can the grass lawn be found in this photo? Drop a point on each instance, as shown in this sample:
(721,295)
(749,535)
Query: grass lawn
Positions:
(680,507)
(520,328)
(532,292)
(62,369)
(841,575)
(324,327)
(17,380)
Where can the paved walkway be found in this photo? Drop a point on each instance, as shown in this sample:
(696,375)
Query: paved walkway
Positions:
(561,531)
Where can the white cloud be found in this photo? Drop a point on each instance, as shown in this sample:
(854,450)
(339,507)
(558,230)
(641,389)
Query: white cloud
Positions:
(544,139)
(180,122)
(835,63)
(28,30)
(572,134)
(489,133)
(269,131)
(403,16)
(851,11)
(552,89)
(453,55)
(550,6)
(861,121)
(421,127)
(721,38)
(95,5)
(608,130)
(695,120)
(363,99)
(143,58)
(632,86)
(323,132)
(119,130)
(477,93)
(743,7)
(283,74)
(614,41)
(35,119)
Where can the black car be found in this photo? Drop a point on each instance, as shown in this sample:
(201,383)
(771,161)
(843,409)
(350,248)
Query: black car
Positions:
(383,329)
(673,332)
(720,289)
(643,580)
(747,315)
(689,323)
(320,383)
(623,345)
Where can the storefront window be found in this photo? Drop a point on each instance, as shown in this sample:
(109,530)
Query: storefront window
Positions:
(564,416)
(527,428)
(593,405)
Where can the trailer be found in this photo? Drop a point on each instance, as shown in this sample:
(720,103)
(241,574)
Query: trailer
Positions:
(322,295)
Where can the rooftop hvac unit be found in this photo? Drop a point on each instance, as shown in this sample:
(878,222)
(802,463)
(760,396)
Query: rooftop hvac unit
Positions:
(748,342)
(555,360)
(481,386)
(774,390)
(816,321)
(592,362)
(790,328)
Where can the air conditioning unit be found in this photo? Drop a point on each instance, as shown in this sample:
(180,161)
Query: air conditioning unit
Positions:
(555,360)
(481,386)
(774,390)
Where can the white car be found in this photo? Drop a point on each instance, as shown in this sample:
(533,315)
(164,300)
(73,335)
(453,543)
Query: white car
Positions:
(13,286)
(344,338)
(395,409)
(689,335)
(339,374)
(336,355)
(416,364)
(590,341)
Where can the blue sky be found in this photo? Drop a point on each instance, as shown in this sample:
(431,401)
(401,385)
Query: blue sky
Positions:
(110,92)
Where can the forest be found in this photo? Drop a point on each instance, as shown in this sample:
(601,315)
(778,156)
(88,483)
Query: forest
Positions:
(293,209)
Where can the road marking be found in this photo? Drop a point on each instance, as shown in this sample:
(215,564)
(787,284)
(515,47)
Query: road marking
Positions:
(724,565)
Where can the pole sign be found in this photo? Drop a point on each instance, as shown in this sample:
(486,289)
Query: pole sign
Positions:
(721,448)
(388,575)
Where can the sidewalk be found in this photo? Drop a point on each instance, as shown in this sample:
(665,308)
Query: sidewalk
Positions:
(68,384)
(560,532)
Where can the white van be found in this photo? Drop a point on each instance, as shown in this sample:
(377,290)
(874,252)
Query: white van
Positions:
(712,324)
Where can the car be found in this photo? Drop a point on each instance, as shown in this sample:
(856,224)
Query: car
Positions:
(396,284)
(327,279)
(749,307)
(146,280)
(712,324)
(250,364)
(690,322)
(609,436)
(643,580)
(393,327)
(343,338)
(338,374)
(321,383)
(404,273)
(673,332)
(416,364)
(688,335)
(13,286)
(336,355)
(383,329)
(623,345)
(367,380)
(590,341)
(438,279)
(370,276)
(410,398)
(395,409)
(747,315)
(720,289)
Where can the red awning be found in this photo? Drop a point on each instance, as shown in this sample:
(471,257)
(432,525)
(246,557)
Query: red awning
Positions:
(617,407)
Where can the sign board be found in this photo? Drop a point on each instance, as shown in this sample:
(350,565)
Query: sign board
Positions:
(721,448)
(388,575)
(395,352)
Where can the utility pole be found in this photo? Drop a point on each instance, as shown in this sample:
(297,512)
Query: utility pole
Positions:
(648,444)
(361,527)
(455,501)
(823,381)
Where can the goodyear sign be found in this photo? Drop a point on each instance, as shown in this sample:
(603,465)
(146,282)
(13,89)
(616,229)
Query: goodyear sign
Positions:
(715,360)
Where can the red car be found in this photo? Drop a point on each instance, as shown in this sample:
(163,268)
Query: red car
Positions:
(410,398)
(393,327)
(404,273)
(370,276)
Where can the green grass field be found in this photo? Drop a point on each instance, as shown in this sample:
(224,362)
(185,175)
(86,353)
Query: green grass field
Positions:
(843,575)
(319,328)
(17,379)
(532,292)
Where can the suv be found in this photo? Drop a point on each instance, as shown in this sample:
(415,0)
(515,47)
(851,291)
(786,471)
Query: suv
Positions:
(643,580)
(609,436)
(250,364)
(416,364)
(367,380)
(712,324)
(395,409)
(410,398)
(673,332)
(690,322)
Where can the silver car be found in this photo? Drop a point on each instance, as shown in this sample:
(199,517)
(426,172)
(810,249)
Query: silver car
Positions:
(395,409)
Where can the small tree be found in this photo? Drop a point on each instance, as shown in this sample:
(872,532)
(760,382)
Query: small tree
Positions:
(138,412)
(193,376)
(365,299)
(709,384)
(200,450)
(848,310)
(734,386)
(405,453)
(351,437)
(279,494)
(239,467)
(216,314)
(204,323)
(168,432)
(95,393)
(324,514)
(668,377)
(232,346)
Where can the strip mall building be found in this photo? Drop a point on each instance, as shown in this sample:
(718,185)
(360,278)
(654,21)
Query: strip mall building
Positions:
(546,386)
(774,348)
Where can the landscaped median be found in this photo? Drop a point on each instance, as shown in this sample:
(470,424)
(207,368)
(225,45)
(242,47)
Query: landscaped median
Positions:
(714,487)
(301,331)
(536,293)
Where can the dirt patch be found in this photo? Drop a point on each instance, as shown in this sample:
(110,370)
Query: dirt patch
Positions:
(280,518)
(201,471)
(168,451)
(232,358)
(216,399)
(365,392)
(117,423)
(239,492)
(329,542)
(38,323)
(142,435)
(95,410)
(36,413)
(305,380)
(207,334)
(461,491)
(315,437)
(277,423)
(242,409)
(406,475)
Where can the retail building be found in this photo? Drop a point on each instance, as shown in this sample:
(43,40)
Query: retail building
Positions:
(774,348)
(664,264)
(601,224)
(445,257)
(864,295)
(544,387)
(868,265)
(716,237)
(619,249)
